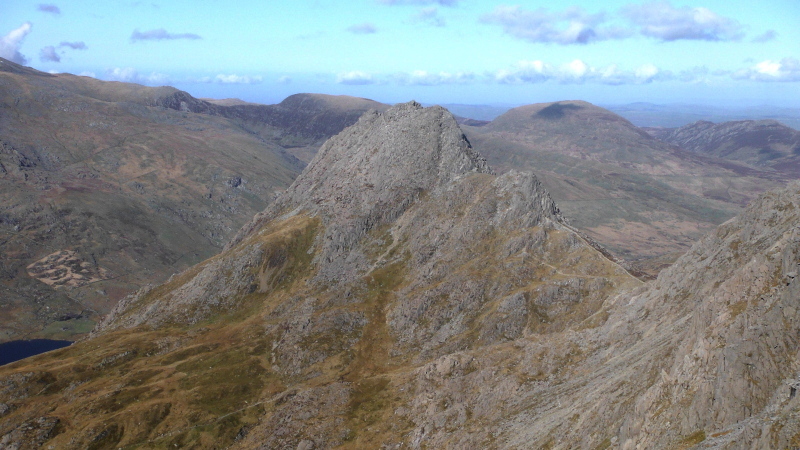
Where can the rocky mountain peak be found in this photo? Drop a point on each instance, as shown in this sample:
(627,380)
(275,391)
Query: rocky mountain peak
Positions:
(408,147)
(371,172)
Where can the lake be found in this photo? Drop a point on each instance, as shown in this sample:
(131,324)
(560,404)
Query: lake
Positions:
(16,350)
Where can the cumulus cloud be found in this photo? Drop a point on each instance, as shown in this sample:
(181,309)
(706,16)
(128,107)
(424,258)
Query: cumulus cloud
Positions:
(48,54)
(571,26)
(160,34)
(130,75)
(662,21)
(418,2)
(362,28)
(787,69)
(237,79)
(285,80)
(769,35)
(355,78)
(425,78)
(429,16)
(74,45)
(10,44)
(52,9)
(577,72)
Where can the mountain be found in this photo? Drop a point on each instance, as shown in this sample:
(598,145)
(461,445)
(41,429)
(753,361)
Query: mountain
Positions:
(645,200)
(394,254)
(759,143)
(106,187)
(300,123)
(399,294)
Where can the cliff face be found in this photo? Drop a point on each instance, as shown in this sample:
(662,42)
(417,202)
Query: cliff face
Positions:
(398,294)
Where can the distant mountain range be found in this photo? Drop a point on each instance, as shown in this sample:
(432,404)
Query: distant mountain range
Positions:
(644,114)
(645,200)
(759,143)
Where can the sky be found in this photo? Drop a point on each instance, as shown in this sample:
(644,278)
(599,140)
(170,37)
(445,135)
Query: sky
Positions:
(710,52)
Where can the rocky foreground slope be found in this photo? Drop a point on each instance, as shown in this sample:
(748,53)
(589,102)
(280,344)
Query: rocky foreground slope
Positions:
(401,295)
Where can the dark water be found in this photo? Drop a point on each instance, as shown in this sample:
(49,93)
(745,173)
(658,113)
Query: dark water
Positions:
(16,350)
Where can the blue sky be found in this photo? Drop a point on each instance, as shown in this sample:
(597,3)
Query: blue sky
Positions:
(434,51)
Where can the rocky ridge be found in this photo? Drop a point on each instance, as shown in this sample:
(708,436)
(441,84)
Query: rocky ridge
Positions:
(465,314)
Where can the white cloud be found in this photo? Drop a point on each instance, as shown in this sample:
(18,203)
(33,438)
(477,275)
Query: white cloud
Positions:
(10,44)
(662,21)
(78,45)
(48,54)
(237,79)
(355,78)
(52,9)
(418,2)
(787,69)
(646,72)
(362,28)
(160,34)
(285,80)
(130,75)
(571,26)
(425,78)
(88,74)
(577,72)
(769,35)
(576,69)
(429,16)
(525,72)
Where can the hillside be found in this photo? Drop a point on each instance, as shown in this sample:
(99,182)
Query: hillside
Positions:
(399,294)
(300,123)
(106,187)
(643,199)
(393,255)
(760,143)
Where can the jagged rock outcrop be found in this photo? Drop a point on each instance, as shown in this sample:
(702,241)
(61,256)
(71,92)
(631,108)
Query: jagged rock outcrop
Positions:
(369,174)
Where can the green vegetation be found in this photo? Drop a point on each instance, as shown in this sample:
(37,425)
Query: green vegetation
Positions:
(220,382)
(66,329)
(692,439)
(368,399)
